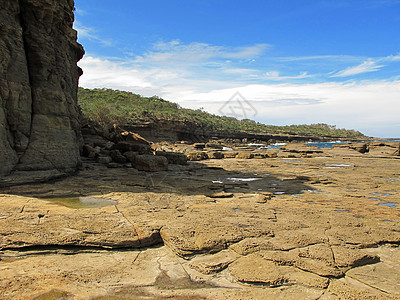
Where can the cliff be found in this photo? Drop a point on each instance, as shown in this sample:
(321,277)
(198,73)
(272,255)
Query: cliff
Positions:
(39,116)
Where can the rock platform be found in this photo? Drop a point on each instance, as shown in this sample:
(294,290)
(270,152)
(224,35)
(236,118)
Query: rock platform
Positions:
(325,225)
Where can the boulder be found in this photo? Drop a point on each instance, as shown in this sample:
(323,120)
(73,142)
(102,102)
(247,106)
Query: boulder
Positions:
(196,156)
(151,163)
(104,159)
(230,154)
(199,146)
(89,151)
(132,146)
(244,155)
(174,157)
(131,156)
(214,146)
(215,155)
(118,157)
(360,147)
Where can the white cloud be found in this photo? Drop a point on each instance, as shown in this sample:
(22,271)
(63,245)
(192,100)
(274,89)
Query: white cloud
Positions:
(274,75)
(99,73)
(336,58)
(80,12)
(369,106)
(365,67)
(241,71)
(369,65)
(89,33)
(174,52)
(391,58)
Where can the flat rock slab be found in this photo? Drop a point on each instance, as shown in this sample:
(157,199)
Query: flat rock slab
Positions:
(383,275)
(314,237)
(211,228)
(37,223)
(254,269)
(210,264)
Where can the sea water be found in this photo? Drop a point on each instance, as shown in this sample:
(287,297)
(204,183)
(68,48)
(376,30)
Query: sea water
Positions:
(325,144)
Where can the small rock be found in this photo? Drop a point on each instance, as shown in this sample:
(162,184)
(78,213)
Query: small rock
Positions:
(88,150)
(118,157)
(196,156)
(174,157)
(105,152)
(104,159)
(215,155)
(93,155)
(230,154)
(133,146)
(131,156)
(115,165)
(214,146)
(199,146)
(261,199)
(109,145)
(244,155)
(360,147)
(151,163)
(221,195)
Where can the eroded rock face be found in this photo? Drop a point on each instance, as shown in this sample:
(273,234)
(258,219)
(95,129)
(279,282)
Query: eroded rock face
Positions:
(39,116)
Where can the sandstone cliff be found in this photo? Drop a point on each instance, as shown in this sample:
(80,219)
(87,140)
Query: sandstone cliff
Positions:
(39,116)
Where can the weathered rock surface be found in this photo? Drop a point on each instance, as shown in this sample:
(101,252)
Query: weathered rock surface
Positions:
(151,163)
(173,157)
(39,117)
(322,227)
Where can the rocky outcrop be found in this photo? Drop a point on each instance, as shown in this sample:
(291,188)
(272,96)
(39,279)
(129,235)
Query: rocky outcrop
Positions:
(325,227)
(39,116)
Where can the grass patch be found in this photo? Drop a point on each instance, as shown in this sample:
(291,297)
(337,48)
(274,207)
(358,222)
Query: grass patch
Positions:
(108,107)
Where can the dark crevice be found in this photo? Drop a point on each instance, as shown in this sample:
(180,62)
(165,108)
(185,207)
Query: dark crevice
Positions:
(26,47)
(378,244)
(70,249)
(268,284)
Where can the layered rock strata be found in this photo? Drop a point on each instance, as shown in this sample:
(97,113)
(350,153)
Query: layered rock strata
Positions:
(39,116)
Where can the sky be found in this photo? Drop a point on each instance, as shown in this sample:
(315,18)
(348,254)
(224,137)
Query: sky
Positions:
(280,62)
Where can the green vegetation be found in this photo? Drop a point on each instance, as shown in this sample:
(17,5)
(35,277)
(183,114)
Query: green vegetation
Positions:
(108,107)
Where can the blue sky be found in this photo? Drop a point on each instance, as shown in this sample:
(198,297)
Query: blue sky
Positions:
(296,62)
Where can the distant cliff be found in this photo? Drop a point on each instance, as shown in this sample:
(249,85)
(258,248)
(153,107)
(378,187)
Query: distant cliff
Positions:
(157,119)
(39,116)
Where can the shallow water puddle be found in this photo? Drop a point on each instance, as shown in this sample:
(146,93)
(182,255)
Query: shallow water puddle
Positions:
(342,211)
(217,181)
(242,179)
(382,194)
(82,202)
(392,205)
